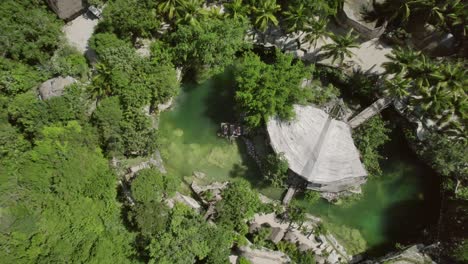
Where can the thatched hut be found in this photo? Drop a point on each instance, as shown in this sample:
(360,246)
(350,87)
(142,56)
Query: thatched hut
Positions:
(319,149)
(67,9)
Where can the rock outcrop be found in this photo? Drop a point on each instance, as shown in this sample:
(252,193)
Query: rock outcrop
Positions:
(54,87)
(412,254)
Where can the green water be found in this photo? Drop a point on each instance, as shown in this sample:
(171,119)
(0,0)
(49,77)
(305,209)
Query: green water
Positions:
(397,207)
(189,141)
(394,208)
(188,133)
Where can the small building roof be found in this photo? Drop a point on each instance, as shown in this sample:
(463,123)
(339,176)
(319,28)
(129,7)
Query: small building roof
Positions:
(318,148)
(66,9)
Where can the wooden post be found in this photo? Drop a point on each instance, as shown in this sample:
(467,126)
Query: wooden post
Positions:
(289,195)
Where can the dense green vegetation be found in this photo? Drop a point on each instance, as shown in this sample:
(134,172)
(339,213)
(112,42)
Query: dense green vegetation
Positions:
(58,201)
(368,139)
(62,202)
(266,90)
(444,16)
(30,35)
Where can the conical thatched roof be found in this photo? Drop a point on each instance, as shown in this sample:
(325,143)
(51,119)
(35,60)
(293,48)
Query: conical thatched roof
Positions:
(66,9)
(318,148)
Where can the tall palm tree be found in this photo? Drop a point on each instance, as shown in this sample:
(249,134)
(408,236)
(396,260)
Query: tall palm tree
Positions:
(265,14)
(433,101)
(398,87)
(397,10)
(340,49)
(237,9)
(296,18)
(190,11)
(316,30)
(167,7)
(215,12)
(422,70)
(453,76)
(101,83)
(400,59)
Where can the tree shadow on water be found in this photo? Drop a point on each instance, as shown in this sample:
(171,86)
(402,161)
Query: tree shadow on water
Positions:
(248,169)
(219,102)
(406,222)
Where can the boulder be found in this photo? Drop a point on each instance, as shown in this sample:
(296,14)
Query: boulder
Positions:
(54,87)
(412,254)
(199,174)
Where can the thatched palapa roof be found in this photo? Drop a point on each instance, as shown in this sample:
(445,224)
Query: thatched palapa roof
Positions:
(318,148)
(66,9)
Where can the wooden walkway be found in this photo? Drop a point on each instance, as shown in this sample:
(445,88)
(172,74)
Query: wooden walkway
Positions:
(289,195)
(370,111)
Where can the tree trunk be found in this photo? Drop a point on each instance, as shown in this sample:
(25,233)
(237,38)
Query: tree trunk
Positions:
(456,186)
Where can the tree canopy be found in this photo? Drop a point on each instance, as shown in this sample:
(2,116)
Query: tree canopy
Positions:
(59,202)
(239,204)
(29,32)
(213,43)
(265,90)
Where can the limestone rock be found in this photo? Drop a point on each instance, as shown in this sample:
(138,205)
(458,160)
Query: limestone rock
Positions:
(264,256)
(199,174)
(413,254)
(54,87)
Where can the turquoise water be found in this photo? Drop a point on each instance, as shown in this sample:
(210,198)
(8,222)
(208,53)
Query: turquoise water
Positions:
(395,207)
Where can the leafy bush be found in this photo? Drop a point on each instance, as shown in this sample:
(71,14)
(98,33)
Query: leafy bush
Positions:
(30,32)
(16,77)
(275,169)
(265,90)
(150,185)
(368,138)
(68,61)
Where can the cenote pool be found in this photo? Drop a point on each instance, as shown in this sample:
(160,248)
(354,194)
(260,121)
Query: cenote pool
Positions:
(399,207)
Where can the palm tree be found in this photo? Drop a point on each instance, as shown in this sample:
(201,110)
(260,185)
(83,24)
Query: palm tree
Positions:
(296,18)
(296,214)
(435,100)
(340,48)
(315,31)
(398,87)
(167,7)
(400,59)
(397,10)
(101,84)
(422,70)
(189,12)
(453,76)
(237,9)
(265,14)
(214,12)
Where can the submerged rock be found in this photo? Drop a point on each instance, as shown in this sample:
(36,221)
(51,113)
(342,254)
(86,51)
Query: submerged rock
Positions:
(199,174)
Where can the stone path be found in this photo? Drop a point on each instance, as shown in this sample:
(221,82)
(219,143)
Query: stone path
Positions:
(328,247)
(79,31)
